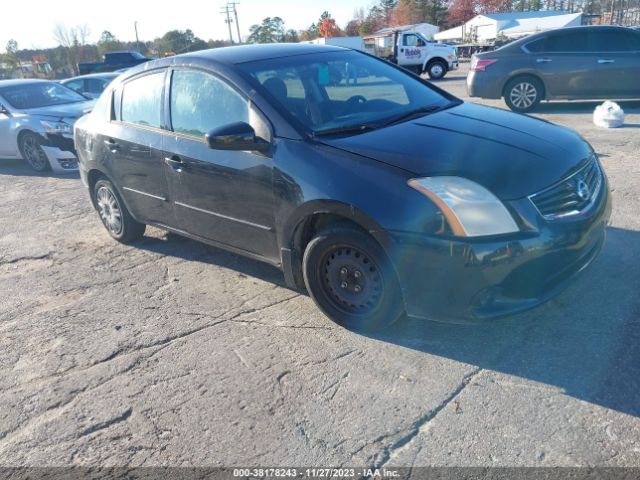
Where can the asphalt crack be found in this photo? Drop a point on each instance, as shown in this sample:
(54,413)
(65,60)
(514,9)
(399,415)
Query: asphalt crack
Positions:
(109,423)
(404,442)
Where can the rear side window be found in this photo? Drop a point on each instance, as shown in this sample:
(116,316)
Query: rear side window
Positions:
(614,41)
(536,46)
(570,42)
(201,102)
(142,100)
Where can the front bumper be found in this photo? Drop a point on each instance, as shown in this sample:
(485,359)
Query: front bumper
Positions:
(453,64)
(468,281)
(60,152)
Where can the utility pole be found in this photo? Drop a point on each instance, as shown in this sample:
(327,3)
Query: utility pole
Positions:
(226,10)
(135,26)
(235,14)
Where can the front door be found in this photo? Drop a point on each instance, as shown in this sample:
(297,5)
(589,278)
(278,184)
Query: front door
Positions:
(224,196)
(412,50)
(8,142)
(616,61)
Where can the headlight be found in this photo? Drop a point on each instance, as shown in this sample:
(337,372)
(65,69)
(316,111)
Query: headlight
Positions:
(56,127)
(470,209)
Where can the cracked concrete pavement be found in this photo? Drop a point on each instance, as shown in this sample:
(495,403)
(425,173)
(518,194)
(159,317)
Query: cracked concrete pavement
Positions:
(174,353)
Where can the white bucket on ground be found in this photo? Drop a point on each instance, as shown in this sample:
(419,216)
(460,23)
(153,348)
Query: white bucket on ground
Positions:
(608,115)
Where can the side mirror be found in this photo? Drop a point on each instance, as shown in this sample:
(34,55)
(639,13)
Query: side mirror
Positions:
(4,110)
(235,136)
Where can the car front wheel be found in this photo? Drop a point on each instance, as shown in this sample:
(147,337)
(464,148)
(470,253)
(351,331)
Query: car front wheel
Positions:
(436,70)
(114,214)
(32,152)
(350,278)
(523,94)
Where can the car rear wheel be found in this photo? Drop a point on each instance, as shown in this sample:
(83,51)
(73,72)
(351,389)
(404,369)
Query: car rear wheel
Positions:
(523,94)
(351,280)
(32,152)
(436,70)
(114,214)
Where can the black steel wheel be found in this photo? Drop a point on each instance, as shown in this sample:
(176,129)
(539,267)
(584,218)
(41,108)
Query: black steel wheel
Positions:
(350,278)
(31,150)
(114,214)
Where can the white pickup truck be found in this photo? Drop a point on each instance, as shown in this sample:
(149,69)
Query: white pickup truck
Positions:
(413,51)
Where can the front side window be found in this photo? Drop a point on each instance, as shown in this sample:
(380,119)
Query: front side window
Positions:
(340,90)
(201,102)
(96,85)
(570,42)
(142,100)
(614,41)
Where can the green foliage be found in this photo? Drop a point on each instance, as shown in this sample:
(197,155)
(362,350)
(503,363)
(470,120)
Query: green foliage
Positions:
(179,41)
(271,30)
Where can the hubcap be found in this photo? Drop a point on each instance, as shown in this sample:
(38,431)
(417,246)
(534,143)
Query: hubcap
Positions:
(109,210)
(352,280)
(436,70)
(523,95)
(33,153)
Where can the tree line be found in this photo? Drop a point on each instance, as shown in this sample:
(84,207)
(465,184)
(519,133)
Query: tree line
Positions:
(73,47)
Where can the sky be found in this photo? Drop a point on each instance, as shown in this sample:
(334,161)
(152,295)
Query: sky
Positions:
(31,22)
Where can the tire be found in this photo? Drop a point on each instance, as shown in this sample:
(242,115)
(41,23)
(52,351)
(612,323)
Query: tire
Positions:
(114,214)
(436,69)
(351,280)
(31,150)
(523,94)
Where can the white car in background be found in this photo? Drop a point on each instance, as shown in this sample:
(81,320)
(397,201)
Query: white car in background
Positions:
(36,123)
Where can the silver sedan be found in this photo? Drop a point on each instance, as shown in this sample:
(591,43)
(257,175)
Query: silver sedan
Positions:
(36,123)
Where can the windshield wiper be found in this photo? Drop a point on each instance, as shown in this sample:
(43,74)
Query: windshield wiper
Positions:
(415,113)
(348,130)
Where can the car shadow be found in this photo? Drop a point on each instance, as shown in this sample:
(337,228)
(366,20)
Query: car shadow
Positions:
(586,341)
(174,245)
(18,168)
(564,107)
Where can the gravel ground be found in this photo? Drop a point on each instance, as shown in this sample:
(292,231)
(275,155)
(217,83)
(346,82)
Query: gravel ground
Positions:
(174,353)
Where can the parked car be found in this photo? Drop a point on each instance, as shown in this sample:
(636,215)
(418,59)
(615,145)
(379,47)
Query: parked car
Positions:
(379,201)
(92,85)
(36,123)
(568,63)
(113,61)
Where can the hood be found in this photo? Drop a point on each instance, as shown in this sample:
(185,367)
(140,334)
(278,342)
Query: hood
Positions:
(511,155)
(68,110)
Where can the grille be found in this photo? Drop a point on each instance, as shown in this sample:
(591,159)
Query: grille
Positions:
(572,196)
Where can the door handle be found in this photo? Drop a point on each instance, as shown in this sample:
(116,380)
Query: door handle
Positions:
(112,145)
(605,60)
(175,163)
(543,60)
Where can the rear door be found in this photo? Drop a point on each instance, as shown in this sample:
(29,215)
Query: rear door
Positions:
(616,61)
(224,196)
(134,142)
(565,63)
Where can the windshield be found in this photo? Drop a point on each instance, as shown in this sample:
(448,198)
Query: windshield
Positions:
(342,91)
(41,94)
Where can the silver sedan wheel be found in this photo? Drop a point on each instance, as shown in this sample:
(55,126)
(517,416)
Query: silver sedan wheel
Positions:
(523,95)
(109,210)
(33,153)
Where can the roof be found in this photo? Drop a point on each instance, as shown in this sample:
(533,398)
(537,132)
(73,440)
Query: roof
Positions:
(415,26)
(249,53)
(21,81)
(93,75)
(523,15)
(532,25)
